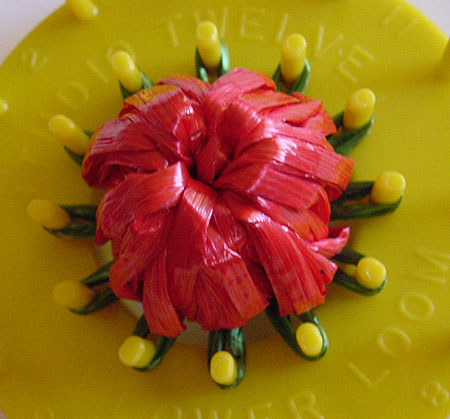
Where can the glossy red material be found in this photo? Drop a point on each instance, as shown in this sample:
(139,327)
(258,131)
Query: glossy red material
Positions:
(217,199)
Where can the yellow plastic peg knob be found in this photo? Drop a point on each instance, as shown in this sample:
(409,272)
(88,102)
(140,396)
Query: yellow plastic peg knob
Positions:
(223,368)
(309,339)
(136,352)
(388,188)
(126,71)
(73,294)
(370,272)
(359,109)
(82,9)
(71,135)
(208,45)
(47,214)
(293,57)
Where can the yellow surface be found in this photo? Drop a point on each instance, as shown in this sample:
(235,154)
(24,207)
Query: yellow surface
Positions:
(293,57)
(309,339)
(388,355)
(208,44)
(3,106)
(223,368)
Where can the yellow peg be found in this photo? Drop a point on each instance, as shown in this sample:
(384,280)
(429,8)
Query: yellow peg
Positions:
(293,57)
(3,106)
(223,368)
(359,109)
(136,352)
(47,214)
(208,45)
(126,72)
(73,294)
(309,339)
(370,272)
(388,188)
(72,136)
(82,9)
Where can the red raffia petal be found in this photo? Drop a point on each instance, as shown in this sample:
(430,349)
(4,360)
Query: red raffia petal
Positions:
(305,222)
(194,88)
(296,113)
(176,133)
(264,181)
(227,226)
(229,269)
(118,148)
(307,160)
(186,242)
(137,197)
(321,122)
(160,313)
(336,241)
(139,245)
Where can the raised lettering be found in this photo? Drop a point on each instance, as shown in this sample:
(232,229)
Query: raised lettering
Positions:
(354,58)
(303,405)
(249,20)
(363,378)
(393,342)
(416,306)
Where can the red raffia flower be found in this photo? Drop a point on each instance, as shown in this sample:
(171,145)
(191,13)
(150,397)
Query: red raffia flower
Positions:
(218,199)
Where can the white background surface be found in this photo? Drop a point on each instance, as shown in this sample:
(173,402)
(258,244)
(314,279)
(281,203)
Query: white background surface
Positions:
(18,17)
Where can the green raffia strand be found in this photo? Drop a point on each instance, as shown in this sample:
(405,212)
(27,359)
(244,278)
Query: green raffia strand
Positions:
(106,298)
(283,326)
(224,65)
(346,281)
(348,256)
(340,210)
(237,347)
(163,346)
(99,277)
(356,190)
(200,69)
(77,158)
(299,85)
(310,317)
(81,212)
(285,329)
(302,81)
(217,341)
(338,119)
(277,77)
(234,338)
(75,230)
(146,84)
(141,329)
(346,141)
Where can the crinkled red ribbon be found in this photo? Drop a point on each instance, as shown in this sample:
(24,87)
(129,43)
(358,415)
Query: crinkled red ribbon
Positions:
(217,199)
